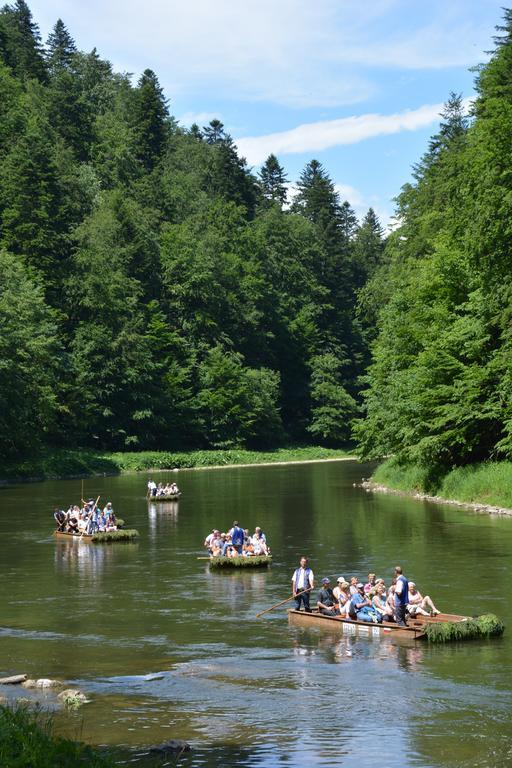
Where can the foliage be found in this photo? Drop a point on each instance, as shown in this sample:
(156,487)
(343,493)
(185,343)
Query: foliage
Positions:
(256,561)
(438,391)
(127,534)
(485,626)
(183,303)
(27,741)
(81,463)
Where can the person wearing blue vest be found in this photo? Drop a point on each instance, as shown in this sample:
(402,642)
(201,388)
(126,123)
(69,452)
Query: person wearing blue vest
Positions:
(401,597)
(303,579)
(237,537)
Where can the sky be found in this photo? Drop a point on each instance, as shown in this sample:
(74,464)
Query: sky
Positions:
(358,85)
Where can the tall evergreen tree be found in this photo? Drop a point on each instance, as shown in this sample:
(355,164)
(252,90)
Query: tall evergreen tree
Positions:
(149,120)
(22,42)
(60,48)
(273,181)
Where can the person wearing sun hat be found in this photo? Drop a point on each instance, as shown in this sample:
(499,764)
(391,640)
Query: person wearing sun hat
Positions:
(342,595)
(337,589)
(326,603)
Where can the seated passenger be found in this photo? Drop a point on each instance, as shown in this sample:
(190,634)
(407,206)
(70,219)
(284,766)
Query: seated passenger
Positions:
(326,603)
(108,510)
(380,604)
(418,604)
(73,524)
(259,545)
(209,539)
(390,601)
(353,585)
(370,584)
(342,595)
(361,608)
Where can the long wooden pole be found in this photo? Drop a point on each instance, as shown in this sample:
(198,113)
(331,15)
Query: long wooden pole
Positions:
(292,597)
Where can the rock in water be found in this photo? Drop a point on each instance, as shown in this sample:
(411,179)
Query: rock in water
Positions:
(173,747)
(42,682)
(72,697)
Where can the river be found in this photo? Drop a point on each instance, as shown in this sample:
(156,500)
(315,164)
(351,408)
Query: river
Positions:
(166,649)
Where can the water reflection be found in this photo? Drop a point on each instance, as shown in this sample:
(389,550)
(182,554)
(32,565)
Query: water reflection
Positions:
(87,560)
(351,648)
(162,517)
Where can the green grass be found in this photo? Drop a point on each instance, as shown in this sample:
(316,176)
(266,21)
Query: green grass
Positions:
(83,463)
(27,741)
(485,626)
(257,561)
(127,534)
(486,483)
(401,478)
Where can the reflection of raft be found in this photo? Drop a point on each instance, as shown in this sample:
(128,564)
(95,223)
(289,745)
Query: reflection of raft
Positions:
(440,628)
(126,534)
(255,561)
(171,497)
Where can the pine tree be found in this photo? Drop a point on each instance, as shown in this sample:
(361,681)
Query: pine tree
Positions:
(273,181)
(60,48)
(22,42)
(368,248)
(149,120)
(214,132)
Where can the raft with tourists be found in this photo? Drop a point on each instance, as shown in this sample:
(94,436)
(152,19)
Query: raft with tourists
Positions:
(161,492)
(439,628)
(89,522)
(237,548)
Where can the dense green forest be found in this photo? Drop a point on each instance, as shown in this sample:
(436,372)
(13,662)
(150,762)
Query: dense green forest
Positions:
(439,389)
(155,291)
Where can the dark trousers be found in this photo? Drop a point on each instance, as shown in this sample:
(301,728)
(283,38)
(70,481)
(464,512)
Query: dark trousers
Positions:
(400,615)
(304,600)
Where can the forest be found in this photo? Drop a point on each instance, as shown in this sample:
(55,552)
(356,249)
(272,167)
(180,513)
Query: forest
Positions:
(155,291)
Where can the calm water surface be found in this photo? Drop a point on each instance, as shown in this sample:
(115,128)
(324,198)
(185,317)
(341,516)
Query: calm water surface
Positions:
(166,649)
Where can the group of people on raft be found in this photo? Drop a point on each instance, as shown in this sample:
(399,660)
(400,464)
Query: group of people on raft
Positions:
(169,489)
(237,542)
(88,519)
(370,602)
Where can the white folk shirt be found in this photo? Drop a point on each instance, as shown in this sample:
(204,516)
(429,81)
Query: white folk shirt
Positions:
(301,581)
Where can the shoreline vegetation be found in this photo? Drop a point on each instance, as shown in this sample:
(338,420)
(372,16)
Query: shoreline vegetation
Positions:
(483,487)
(70,464)
(27,739)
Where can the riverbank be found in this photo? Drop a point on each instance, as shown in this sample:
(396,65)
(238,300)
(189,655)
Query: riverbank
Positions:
(70,464)
(485,487)
(27,741)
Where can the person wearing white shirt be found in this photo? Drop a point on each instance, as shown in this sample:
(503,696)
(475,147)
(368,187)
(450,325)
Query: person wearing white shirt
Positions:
(303,579)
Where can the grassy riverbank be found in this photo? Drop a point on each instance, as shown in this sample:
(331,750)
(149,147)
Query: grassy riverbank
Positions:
(27,741)
(83,463)
(487,483)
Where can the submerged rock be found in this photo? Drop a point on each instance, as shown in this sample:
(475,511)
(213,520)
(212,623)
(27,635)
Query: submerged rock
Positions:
(172,747)
(72,697)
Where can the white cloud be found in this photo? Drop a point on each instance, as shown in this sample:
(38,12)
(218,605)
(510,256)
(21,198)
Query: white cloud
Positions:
(291,52)
(200,118)
(315,137)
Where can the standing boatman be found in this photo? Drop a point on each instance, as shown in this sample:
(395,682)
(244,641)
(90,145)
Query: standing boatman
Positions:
(401,597)
(303,578)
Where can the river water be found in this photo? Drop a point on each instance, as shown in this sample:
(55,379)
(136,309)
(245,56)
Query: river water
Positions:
(166,649)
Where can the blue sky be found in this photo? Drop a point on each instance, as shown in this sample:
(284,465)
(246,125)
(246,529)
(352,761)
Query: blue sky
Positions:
(358,85)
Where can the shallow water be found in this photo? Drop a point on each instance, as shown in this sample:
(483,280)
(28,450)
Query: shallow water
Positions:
(167,649)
